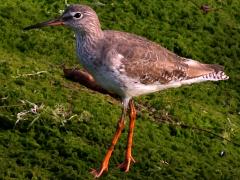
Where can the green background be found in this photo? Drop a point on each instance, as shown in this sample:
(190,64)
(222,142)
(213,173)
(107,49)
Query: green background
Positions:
(73,126)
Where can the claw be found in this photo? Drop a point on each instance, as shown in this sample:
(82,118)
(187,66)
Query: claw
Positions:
(98,173)
(126,164)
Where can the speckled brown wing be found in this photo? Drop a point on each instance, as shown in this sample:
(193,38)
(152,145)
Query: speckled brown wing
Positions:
(151,63)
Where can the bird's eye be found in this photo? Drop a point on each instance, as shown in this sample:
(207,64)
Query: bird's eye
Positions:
(77,15)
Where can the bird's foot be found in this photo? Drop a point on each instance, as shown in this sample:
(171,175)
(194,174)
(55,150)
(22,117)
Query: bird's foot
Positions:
(98,173)
(126,164)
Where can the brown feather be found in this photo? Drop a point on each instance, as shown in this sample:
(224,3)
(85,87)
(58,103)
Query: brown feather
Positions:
(152,63)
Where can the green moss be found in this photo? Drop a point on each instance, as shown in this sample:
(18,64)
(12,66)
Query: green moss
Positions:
(73,126)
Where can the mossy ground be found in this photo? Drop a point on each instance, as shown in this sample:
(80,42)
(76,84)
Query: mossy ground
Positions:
(72,128)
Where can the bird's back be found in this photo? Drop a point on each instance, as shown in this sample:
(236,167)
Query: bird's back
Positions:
(151,63)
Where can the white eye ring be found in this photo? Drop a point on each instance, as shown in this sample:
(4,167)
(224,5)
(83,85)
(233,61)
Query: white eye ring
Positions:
(78,15)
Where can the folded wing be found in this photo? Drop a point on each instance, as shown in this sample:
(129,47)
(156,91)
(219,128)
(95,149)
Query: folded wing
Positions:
(151,63)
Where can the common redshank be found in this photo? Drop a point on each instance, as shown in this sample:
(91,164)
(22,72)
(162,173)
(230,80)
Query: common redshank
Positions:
(128,65)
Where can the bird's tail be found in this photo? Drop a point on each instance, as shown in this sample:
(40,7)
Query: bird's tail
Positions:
(217,74)
(205,72)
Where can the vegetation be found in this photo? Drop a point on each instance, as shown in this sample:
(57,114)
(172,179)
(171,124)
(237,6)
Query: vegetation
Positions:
(52,128)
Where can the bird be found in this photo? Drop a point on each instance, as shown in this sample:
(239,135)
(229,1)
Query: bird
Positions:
(127,65)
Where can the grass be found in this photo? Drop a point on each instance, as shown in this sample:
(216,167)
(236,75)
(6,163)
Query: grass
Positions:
(73,126)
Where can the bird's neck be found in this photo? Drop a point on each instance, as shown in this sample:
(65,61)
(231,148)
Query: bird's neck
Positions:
(88,41)
(87,45)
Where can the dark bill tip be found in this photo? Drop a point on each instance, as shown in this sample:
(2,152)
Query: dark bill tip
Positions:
(55,22)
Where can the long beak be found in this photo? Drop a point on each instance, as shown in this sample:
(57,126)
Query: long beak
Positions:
(55,22)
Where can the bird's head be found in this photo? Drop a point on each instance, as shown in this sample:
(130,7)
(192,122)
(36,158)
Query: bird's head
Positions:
(78,17)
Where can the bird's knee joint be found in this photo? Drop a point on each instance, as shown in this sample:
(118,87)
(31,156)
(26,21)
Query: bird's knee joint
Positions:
(121,124)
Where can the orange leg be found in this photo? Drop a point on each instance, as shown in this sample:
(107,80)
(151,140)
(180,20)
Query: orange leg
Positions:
(128,156)
(104,165)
